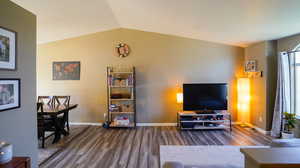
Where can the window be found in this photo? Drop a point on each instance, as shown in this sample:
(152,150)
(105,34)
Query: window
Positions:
(297,83)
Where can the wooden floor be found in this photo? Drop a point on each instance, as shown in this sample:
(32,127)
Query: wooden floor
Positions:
(139,148)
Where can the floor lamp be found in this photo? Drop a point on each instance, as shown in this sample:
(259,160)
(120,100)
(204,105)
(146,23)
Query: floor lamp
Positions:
(243,105)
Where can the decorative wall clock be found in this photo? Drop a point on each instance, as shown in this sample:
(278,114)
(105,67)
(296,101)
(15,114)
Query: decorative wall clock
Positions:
(122,50)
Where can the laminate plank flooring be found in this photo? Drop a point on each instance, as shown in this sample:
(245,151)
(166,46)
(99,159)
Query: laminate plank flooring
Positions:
(139,148)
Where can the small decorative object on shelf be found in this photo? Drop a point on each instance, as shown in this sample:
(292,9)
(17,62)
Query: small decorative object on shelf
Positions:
(5,152)
(121,96)
(189,120)
(122,50)
(122,121)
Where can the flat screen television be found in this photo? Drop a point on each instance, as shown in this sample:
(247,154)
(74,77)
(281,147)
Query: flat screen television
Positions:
(204,96)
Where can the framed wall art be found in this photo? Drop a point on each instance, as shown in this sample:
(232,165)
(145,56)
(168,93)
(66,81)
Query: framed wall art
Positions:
(251,65)
(8,49)
(66,70)
(10,94)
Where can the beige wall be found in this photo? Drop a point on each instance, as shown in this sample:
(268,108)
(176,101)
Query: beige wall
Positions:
(263,88)
(162,62)
(258,85)
(18,126)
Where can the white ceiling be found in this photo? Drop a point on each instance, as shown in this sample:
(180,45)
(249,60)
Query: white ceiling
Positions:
(61,19)
(234,22)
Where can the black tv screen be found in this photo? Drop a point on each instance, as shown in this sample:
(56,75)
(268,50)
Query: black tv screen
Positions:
(198,97)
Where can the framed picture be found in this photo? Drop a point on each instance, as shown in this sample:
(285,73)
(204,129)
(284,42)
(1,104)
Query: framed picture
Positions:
(66,70)
(8,49)
(10,97)
(251,66)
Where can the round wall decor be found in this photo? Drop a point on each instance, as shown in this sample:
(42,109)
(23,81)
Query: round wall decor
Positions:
(122,50)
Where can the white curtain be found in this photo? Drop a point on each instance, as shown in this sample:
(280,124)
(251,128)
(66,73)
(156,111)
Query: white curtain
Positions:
(283,102)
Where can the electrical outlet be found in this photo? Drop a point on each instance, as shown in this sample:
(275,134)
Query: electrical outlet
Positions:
(260,119)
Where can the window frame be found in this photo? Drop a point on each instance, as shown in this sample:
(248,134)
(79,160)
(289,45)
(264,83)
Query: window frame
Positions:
(294,83)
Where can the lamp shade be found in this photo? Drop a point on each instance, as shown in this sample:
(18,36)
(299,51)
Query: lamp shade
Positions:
(179,97)
(243,104)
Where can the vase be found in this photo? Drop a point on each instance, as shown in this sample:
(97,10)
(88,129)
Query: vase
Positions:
(285,135)
(5,152)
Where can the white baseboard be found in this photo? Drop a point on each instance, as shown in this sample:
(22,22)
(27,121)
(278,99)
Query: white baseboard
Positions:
(170,124)
(85,123)
(155,124)
(255,127)
(138,124)
(260,130)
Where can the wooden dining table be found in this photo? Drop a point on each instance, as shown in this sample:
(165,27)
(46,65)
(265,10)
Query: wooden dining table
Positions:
(54,111)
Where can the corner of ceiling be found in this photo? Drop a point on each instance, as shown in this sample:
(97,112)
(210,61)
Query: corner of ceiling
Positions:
(109,4)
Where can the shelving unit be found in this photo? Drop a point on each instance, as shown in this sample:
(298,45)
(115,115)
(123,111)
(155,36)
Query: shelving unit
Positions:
(202,121)
(121,97)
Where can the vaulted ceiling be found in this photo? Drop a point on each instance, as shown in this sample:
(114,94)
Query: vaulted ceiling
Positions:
(234,22)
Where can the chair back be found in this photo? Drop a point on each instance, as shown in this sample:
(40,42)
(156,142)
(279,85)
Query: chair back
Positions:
(44,124)
(40,116)
(45,100)
(62,100)
(40,107)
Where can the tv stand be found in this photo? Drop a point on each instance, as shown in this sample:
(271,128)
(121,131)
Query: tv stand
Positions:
(193,120)
(205,112)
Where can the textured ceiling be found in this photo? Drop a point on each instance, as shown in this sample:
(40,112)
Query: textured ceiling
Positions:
(234,22)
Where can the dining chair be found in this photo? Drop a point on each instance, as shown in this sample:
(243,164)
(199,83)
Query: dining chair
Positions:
(63,100)
(44,124)
(45,100)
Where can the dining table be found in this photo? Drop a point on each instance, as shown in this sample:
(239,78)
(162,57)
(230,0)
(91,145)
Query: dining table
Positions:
(54,111)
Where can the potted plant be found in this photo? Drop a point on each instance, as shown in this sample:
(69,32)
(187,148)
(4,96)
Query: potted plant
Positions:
(289,124)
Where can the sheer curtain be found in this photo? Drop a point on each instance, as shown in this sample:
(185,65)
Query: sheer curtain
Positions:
(284,94)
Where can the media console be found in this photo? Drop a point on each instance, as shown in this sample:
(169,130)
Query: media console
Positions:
(189,120)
